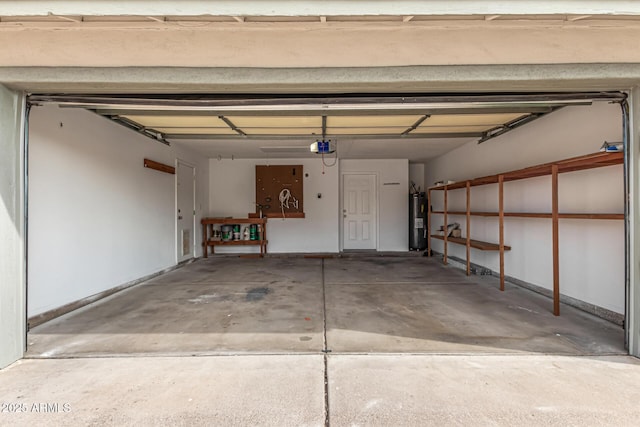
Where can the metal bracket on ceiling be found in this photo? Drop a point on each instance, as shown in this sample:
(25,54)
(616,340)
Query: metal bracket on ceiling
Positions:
(149,133)
(514,124)
(232,126)
(416,124)
(324,127)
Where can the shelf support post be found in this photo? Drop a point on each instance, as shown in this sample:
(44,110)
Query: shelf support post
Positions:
(554,220)
(468,228)
(501,227)
(444,227)
(205,241)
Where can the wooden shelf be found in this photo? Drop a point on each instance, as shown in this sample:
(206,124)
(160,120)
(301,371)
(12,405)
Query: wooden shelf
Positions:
(278,215)
(207,234)
(236,242)
(590,161)
(538,215)
(590,216)
(478,244)
(464,213)
(230,220)
(527,215)
(553,169)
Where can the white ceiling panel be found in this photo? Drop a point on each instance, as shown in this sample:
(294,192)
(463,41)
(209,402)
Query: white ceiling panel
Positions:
(311,125)
(177,121)
(275,121)
(408,148)
(396,131)
(417,150)
(248,148)
(196,131)
(282,131)
(470,119)
(373,121)
(452,129)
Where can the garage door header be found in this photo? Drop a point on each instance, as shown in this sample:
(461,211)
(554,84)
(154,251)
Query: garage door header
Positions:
(383,102)
(313,8)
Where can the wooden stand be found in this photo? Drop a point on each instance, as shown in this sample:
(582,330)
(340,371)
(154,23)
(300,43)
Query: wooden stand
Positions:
(207,234)
(589,161)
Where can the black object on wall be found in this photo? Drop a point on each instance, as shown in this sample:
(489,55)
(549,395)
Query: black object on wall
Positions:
(417,221)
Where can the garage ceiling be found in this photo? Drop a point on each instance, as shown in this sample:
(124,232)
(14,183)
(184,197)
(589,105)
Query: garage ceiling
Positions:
(276,126)
(75,18)
(416,127)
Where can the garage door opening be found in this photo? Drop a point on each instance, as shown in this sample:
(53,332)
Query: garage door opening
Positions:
(99,222)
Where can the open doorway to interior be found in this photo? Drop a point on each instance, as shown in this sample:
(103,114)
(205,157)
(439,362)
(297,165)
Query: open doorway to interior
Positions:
(186,211)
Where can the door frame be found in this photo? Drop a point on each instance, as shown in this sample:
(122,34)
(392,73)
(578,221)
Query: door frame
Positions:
(175,211)
(376,180)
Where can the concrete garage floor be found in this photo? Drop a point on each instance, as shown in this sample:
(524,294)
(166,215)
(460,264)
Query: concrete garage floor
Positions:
(278,305)
(213,306)
(349,341)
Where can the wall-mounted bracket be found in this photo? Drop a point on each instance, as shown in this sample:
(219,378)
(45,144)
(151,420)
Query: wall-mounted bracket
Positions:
(159,167)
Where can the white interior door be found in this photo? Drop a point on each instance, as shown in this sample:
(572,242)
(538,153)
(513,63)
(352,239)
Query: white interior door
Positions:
(359,211)
(185,187)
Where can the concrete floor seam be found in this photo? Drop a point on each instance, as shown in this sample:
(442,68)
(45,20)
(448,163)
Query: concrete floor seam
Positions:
(325,349)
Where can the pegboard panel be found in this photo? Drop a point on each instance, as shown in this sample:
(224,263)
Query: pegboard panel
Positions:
(276,183)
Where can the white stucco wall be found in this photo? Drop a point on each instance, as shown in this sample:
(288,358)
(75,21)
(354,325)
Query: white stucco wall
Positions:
(12,230)
(232,184)
(591,251)
(317,44)
(393,199)
(97,218)
(416,175)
